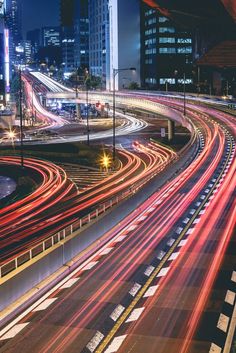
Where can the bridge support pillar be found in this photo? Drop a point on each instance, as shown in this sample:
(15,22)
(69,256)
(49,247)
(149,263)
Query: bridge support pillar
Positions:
(171,130)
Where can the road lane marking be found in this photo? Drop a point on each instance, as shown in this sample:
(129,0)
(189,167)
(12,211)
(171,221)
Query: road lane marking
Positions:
(223,322)
(163,272)
(170,241)
(182,242)
(89,265)
(69,283)
(14,331)
(44,305)
(149,270)
(233,277)
(189,231)
(215,349)
(115,344)
(174,256)
(134,290)
(135,314)
(94,342)
(151,291)
(106,251)
(230,297)
(117,312)
(120,238)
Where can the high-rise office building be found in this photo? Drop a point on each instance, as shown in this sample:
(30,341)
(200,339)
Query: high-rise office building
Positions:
(114,41)
(35,38)
(74,37)
(99,44)
(13,23)
(51,36)
(81,29)
(124,49)
(166,52)
(2,58)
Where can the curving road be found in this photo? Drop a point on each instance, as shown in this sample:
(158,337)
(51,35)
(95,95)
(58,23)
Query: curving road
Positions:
(147,288)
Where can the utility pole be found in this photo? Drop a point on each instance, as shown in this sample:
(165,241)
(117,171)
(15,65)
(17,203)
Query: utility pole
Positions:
(21,122)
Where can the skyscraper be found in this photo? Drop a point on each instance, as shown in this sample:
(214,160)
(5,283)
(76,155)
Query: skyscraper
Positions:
(2,59)
(166,52)
(74,22)
(51,36)
(13,23)
(99,44)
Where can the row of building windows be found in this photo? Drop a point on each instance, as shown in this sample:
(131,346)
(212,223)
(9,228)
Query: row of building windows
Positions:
(171,81)
(150,31)
(180,50)
(150,51)
(175,40)
(150,41)
(149,12)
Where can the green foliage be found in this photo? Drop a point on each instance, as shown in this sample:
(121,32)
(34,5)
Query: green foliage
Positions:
(133,85)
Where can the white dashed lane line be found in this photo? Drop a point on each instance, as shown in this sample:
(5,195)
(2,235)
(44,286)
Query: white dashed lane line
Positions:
(115,344)
(44,305)
(14,331)
(134,316)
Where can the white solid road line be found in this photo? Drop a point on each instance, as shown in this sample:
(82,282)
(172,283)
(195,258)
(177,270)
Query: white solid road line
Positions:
(14,331)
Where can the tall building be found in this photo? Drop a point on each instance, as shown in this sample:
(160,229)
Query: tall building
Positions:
(124,51)
(99,44)
(74,37)
(51,36)
(166,52)
(114,41)
(13,23)
(2,59)
(35,38)
(81,29)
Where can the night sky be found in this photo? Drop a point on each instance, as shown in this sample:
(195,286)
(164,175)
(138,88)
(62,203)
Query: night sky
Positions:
(36,14)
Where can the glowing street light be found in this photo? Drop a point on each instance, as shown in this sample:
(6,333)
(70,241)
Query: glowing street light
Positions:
(105,161)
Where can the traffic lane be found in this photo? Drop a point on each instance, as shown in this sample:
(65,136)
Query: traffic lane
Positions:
(106,275)
(99,315)
(169,315)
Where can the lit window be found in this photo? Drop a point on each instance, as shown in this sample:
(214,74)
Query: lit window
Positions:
(163,19)
(184,50)
(187,81)
(184,40)
(166,30)
(166,40)
(167,80)
(167,50)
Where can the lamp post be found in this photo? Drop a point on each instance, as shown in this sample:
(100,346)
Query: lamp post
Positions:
(86,73)
(115,72)
(184,94)
(21,122)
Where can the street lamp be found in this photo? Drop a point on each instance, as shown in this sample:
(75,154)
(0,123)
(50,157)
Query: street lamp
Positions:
(21,122)
(87,112)
(115,72)
(184,95)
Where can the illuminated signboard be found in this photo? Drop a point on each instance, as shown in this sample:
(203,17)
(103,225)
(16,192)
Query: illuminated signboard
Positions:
(6,58)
